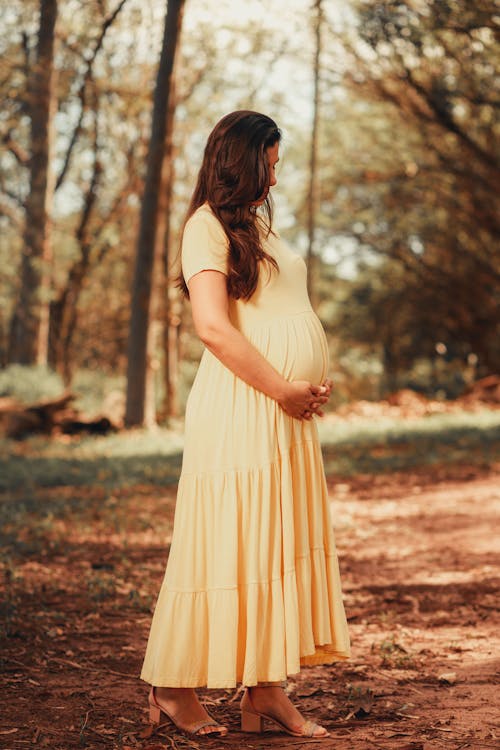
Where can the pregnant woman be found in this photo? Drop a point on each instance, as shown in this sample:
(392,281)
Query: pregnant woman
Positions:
(252,587)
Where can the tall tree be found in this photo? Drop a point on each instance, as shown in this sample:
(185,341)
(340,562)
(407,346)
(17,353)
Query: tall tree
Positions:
(414,158)
(312,197)
(164,302)
(145,254)
(64,306)
(30,322)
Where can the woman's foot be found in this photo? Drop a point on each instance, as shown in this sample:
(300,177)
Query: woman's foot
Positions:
(273,703)
(182,707)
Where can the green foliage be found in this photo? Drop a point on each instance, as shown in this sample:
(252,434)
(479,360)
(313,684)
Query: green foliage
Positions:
(408,187)
(98,391)
(29,384)
(408,214)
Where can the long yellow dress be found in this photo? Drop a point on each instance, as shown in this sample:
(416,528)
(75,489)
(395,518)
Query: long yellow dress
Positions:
(252,587)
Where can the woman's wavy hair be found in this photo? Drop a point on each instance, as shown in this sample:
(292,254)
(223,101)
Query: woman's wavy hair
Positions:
(234,175)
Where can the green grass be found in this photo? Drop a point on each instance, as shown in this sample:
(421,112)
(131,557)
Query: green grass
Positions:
(138,457)
(115,461)
(390,444)
(50,486)
(30,384)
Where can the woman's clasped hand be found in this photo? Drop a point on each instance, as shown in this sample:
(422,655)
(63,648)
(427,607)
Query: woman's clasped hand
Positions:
(302,400)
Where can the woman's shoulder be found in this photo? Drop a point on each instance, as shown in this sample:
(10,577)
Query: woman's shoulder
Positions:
(203,214)
(203,221)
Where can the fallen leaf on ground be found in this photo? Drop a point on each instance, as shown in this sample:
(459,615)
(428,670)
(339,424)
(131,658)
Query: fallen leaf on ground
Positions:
(449,677)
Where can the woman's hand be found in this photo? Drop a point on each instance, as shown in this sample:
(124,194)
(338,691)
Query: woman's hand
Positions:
(328,385)
(301,400)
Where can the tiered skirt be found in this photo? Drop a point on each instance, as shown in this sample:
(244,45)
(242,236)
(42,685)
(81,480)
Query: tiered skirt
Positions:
(252,587)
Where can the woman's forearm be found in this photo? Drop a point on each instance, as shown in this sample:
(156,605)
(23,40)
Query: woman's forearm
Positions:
(244,360)
(209,303)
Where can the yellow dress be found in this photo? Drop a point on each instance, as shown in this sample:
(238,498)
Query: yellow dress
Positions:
(252,587)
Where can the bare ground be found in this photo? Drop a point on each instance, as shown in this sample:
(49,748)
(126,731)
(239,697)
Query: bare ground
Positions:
(420,568)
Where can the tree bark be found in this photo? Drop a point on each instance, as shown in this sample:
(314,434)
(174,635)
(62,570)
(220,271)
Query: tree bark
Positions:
(141,292)
(64,309)
(165,301)
(30,323)
(312,198)
(159,293)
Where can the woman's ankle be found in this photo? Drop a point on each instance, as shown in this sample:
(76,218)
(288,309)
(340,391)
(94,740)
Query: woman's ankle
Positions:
(171,693)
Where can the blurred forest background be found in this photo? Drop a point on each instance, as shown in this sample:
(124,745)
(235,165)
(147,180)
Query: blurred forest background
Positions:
(388,185)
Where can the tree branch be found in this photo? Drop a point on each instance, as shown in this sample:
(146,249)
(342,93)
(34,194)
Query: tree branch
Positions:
(16,216)
(82,92)
(21,156)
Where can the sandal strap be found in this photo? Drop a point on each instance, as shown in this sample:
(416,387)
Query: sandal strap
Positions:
(309,729)
(195,728)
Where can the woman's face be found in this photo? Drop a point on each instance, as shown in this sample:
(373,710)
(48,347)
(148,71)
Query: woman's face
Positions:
(273,158)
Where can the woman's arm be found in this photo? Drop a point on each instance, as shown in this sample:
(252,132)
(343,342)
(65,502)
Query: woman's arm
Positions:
(210,307)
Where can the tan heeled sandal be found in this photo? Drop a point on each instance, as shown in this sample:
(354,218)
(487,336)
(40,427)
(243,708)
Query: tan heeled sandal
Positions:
(253,721)
(156,711)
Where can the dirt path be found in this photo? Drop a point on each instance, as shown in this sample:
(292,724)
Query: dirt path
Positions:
(420,566)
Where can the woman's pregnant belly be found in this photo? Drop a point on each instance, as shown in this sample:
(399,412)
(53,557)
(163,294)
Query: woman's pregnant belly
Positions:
(296,346)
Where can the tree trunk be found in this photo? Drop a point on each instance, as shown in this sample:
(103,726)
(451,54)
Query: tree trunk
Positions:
(30,322)
(172,354)
(312,198)
(170,365)
(64,309)
(160,298)
(142,285)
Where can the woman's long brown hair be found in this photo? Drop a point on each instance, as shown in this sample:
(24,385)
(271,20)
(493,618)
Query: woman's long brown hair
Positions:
(234,175)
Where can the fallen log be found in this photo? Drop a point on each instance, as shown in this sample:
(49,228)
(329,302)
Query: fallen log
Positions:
(48,417)
(19,420)
(97,426)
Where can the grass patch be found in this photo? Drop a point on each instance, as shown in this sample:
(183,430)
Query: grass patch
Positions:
(118,460)
(154,457)
(389,444)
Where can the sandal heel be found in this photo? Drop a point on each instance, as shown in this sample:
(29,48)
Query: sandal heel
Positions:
(155,714)
(251,722)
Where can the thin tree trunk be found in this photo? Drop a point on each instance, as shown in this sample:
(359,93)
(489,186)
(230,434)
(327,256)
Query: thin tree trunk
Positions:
(171,347)
(312,198)
(64,309)
(170,365)
(30,322)
(160,297)
(142,285)
(152,367)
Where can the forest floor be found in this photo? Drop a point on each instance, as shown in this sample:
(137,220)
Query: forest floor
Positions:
(82,564)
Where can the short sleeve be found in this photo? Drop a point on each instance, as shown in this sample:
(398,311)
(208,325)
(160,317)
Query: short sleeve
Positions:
(205,246)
